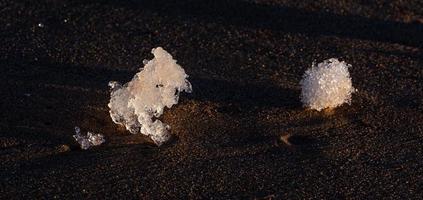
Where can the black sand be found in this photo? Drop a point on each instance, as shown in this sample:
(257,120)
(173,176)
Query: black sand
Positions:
(245,60)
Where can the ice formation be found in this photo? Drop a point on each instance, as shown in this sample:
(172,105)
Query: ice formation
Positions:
(326,85)
(91,139)
(139,103)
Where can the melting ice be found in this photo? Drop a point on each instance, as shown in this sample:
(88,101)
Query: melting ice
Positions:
(138,103)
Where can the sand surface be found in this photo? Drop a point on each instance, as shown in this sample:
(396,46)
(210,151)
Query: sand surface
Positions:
(245,60)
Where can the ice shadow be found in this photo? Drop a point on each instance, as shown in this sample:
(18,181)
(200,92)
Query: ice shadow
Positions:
(237,97)
(285,19)
(43,101)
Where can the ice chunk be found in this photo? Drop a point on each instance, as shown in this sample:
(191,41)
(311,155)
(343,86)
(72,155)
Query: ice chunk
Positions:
(95,139)
(326,85)
(91,139)
(138,103)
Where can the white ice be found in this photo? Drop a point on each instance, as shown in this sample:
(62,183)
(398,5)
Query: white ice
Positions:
(326,85)
(137,104)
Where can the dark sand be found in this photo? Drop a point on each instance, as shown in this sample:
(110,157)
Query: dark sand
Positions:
(245,60)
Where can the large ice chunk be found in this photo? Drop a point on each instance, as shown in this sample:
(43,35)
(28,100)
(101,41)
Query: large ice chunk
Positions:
(139,103)
(326,85)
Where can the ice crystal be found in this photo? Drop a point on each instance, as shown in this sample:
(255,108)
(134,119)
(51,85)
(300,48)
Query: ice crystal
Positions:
(137,104)
(326,85)
(91,139)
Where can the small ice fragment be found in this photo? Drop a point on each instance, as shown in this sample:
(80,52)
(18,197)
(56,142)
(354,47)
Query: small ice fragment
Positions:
(41,25)
(82,140)
(91,139)
(65,20)
(27,94)
(327,85)
(137,104)
(95,139)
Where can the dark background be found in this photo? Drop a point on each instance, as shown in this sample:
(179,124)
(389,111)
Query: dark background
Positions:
(245,60)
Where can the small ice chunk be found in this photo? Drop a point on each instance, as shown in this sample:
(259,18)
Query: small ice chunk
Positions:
(91,139)
(326,85)
(41,25)
(95,139)
(138,103)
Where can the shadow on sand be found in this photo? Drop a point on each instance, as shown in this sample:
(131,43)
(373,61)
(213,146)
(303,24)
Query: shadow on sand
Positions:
(280,18)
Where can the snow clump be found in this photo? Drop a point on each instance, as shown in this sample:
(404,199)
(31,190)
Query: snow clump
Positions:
(138,103)
(326,85)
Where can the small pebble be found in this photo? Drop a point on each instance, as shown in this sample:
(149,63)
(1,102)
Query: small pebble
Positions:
(285,139)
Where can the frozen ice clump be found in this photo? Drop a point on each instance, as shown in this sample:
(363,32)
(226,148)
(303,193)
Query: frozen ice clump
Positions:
(326,85)
(91,139)
(137,104)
